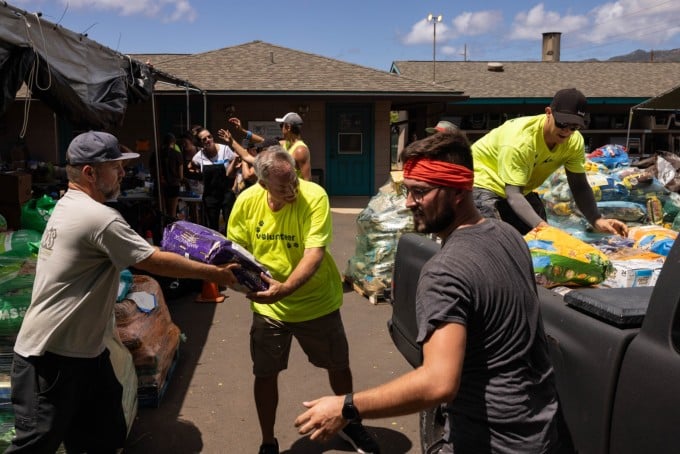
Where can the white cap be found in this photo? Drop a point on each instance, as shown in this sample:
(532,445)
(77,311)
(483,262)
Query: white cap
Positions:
(290,118)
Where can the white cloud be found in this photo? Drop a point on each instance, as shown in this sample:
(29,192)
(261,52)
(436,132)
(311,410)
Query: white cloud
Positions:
(467,23)
(535,22)
(422,32)
(648,21)
(472,24)
(166,10)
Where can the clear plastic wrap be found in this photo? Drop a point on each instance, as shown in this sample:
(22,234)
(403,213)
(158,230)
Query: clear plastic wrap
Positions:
(379,227)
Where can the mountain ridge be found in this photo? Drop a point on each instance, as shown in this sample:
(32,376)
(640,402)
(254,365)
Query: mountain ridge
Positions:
(639,55)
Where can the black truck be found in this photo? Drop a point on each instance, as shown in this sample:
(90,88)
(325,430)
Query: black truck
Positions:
(615,352)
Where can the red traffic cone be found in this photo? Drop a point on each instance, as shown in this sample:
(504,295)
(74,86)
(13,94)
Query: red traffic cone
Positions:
(210,293)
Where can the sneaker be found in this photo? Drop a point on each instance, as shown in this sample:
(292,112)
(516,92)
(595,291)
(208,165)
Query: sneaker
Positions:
(269,448)
(356,434)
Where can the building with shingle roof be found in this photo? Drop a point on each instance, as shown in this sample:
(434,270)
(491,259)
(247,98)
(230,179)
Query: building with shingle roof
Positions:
(356,119)
(346,107)
(501,90)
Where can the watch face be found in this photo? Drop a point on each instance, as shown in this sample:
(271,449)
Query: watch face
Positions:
(349,411)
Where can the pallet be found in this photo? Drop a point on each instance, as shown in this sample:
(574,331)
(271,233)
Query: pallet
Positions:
(373,297)
(151,396)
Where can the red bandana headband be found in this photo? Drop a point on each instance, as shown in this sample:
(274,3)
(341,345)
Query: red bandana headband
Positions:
(439,173)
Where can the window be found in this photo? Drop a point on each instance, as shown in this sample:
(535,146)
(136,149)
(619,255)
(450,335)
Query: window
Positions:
(350,143)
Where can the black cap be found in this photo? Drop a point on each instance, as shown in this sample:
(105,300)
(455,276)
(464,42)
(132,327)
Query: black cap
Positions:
(95,146)
(569,106)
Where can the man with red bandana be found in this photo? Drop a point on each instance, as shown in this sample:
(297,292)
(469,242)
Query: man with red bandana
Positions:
(485,357)
(517,157)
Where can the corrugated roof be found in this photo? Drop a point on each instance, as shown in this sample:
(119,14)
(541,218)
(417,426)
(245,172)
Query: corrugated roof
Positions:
(543,79)
(258,66)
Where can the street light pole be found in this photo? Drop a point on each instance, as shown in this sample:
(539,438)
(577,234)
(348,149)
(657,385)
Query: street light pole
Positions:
(434,19)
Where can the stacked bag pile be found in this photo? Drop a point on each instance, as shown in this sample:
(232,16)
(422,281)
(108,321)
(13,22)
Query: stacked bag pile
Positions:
(379,227)
(146,329)
(18,250)
(644,195)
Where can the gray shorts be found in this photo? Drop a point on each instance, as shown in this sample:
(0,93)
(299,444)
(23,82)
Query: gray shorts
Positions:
(323,340)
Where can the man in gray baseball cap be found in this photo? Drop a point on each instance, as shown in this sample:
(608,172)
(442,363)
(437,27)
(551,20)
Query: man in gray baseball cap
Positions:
(291,129)
(61,345)
(291,118)
(95,146)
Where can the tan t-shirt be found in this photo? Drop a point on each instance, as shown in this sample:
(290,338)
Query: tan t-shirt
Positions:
(83,249)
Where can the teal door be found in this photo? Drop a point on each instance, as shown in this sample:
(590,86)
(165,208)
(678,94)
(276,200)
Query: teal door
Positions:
(349,150)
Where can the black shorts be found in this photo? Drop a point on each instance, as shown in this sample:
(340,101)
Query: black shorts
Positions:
(77,401)
(323,340)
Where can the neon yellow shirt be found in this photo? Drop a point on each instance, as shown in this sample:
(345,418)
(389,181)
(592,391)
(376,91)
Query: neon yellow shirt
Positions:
(290,147)
(515,153)
(278,240)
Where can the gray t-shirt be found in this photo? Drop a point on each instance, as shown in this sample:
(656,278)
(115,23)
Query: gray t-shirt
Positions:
(483,278)
(84,247)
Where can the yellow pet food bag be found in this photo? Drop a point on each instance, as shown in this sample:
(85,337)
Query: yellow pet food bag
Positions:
(561,259)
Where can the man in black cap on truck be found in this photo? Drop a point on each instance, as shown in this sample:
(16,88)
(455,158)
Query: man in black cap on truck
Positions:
(514,159)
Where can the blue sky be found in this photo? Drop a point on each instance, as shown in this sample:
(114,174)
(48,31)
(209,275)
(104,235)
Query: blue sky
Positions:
(374,33)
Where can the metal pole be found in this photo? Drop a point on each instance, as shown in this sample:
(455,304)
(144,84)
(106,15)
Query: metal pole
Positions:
(157,177)
(434,47)
(434,19)
(188,110)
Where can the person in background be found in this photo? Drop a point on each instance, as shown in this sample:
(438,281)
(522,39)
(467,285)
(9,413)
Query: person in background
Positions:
(213,159)
(246,177)
(485,355)
(291,128)
(234,126)
(63,386)
(171,173)
(285,222)
(514,159)
(442,126)
(191,172)
(250,140)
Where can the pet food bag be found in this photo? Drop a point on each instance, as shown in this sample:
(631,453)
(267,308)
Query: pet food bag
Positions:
(203,244)
(653,238)
(561,259)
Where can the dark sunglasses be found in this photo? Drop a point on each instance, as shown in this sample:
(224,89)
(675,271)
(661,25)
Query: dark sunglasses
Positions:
(569,126)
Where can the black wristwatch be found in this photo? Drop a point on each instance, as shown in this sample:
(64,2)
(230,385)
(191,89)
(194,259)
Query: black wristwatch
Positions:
(349,411)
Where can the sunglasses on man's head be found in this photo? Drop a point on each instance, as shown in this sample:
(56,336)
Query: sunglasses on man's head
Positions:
(569,126)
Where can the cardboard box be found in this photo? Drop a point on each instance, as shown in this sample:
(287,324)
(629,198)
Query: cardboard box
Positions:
(12,214)
(634,273)
(15,187)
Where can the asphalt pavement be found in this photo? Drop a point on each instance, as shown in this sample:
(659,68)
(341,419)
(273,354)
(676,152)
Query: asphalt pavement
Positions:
(208,406)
